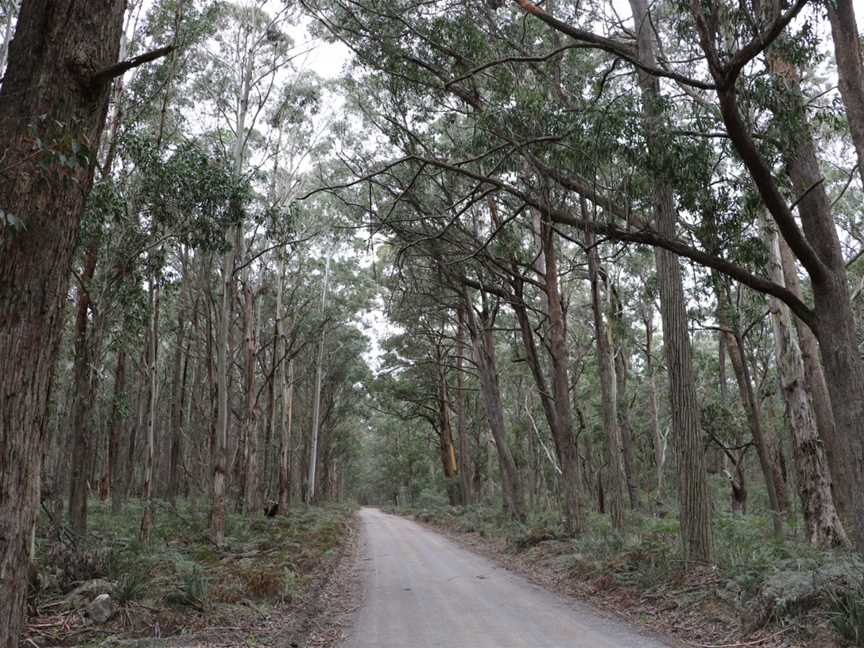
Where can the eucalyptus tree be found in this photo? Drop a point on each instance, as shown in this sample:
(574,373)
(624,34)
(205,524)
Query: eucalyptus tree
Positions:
(120,238)
(52,112)
(336,369)
(608,388)
(519,91)
(239,76)
(815,244)
(824,526)
(420,362)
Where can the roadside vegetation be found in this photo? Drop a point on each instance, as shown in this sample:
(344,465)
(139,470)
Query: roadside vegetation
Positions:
(259,587)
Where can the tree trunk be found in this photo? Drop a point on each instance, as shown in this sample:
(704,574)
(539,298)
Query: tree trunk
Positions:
(269,427)
(178,381)
(82,419)
(483,344)
(252,504)
(57,47)
(559,354)
(316,401)
(295,446)
(836,451)
(141,409)
(821,254)
(235,241)
(834,322)
(445,439)
(219,456)
(461,423)
(150,449)
(285,393)
(9,7)
(660,440)
(622,369)
(850,70)
(835,326)
(614,493)
(558,415)
(693,495)
(767,446)
(824,528)
(119,416)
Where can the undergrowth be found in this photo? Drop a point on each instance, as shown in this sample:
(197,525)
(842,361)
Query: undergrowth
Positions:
(263,559)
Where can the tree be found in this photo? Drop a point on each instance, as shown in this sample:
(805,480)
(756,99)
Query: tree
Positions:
(53,103)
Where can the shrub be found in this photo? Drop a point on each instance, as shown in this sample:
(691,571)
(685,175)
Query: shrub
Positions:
(847,616)
(263,584)
(190,590)
(131,586)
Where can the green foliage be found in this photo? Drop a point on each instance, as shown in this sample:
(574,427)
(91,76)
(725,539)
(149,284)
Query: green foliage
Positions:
(847,616)
(190,192)
(190,589)
(131,586)
(267,560)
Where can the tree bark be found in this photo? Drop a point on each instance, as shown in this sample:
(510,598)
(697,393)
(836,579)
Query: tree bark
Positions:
(446,448)
(483,343)
(819,250)
(824,528)
(622,370)
(295,441)
(767,446)
(836,451)
(316,401)
(219,455)
(119,415)
(252,504)
(82,434)
(178,398)
(850,70)
(58,46)
(695,505)
(285,394)
(152,368)
(659,439)
(559,355)
(558,415)
(614,493)
(461,423)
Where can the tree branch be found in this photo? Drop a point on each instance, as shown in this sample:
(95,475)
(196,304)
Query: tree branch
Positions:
(618,48)
(105,75)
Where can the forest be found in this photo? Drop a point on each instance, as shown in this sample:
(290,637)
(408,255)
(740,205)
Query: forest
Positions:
(577,284)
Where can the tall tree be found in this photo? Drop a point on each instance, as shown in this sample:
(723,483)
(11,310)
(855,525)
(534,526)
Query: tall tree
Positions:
(54,97)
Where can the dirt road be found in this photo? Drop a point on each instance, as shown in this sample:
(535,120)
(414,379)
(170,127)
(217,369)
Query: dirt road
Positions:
(422,590)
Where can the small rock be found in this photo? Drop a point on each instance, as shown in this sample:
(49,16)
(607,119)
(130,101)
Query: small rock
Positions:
(101,609)
(86,592)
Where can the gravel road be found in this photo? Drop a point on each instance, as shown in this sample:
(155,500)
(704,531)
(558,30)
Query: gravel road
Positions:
(422,590)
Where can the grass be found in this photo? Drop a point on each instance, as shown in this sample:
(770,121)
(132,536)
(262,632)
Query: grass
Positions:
(847,616)
(267,560)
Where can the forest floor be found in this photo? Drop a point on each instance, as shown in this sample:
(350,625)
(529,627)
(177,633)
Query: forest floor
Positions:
(278,581)
(760,594)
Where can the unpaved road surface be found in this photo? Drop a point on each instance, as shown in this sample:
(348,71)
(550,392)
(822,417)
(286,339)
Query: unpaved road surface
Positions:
(422,590)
